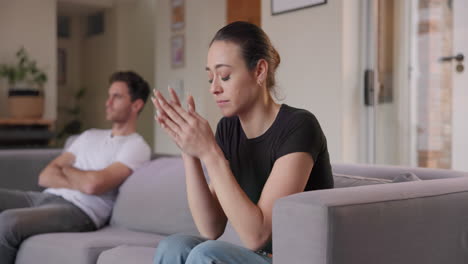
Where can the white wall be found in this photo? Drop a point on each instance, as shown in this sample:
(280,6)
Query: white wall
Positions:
(135,50)
(319,68)
(32,24)
(98,62)
(203,18)
(353,148)
(66,91)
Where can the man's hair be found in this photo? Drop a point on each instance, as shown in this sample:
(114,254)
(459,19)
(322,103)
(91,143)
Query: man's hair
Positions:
(138,88)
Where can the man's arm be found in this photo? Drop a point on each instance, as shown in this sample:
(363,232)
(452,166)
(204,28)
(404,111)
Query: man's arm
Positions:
(52,176)
(98,181)
(61,174)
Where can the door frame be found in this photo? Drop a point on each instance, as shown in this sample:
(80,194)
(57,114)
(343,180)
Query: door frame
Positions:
(368,62)
(404,97)
(459,92)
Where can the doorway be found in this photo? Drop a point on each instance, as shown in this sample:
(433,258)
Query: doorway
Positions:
(421,84)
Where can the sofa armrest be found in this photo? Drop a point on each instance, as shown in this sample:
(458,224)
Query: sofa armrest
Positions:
(20,168)
(411,222)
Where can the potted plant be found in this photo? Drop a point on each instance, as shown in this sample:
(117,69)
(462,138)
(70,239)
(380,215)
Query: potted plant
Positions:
(74,125)
(26,82)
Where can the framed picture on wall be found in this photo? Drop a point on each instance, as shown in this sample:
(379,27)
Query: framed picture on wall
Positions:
(61,66)
(177,51)
(283,6)
(178,14)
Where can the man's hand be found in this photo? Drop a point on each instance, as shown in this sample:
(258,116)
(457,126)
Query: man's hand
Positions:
(52,176)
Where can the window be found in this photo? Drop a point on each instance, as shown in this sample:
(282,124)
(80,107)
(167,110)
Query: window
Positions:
(95,24)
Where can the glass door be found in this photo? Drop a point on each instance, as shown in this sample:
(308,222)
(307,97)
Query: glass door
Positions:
(420,109)
(440,83)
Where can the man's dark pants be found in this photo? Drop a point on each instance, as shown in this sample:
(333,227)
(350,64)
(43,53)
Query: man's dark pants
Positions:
(24,214)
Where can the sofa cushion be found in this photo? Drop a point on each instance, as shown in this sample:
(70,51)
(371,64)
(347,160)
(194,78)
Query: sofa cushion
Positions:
(127,254)
(154,199)
(79,248)
(344,180)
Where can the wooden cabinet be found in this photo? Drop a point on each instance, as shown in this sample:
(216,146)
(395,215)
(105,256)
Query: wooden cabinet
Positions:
(25,133)
(244,10)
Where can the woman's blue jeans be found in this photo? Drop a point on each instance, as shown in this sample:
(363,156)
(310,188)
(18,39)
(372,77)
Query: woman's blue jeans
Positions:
(180,249)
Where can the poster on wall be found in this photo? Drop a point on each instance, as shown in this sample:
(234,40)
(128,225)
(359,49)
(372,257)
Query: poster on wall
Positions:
(283,6)
(178,14)
(177,51)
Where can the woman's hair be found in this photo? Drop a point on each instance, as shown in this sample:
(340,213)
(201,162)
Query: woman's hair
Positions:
(254,45)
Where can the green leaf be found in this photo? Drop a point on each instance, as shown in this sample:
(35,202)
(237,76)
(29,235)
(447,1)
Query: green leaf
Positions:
(80,93)
(25,69)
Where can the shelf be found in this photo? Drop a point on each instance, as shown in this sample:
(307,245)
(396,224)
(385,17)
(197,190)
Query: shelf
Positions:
(25,133)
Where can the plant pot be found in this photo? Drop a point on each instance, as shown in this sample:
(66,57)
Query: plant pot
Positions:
(25,104)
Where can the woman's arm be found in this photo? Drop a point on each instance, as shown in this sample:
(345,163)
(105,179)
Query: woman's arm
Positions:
(204,205)
(253,222)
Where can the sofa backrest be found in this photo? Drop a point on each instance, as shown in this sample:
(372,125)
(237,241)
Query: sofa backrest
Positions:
(154,199)
(20,168)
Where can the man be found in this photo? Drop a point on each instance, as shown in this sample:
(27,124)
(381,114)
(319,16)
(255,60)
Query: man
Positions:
(82,182)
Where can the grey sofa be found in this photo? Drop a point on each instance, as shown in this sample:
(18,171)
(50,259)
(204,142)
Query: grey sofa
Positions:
(366,219)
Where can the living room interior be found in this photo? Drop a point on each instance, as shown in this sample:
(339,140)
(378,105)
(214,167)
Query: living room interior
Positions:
(326,50)
(385,78)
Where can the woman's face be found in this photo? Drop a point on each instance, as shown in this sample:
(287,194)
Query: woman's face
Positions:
(233,86)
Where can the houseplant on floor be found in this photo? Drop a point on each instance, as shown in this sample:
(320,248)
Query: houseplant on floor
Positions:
(26,82)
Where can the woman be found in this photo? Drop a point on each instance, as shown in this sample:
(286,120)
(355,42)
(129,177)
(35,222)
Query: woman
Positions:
(262,151)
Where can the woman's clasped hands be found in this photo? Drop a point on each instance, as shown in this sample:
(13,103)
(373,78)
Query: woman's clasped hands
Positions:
(191,132)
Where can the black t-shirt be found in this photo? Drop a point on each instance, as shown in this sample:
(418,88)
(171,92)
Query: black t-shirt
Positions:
(251,160)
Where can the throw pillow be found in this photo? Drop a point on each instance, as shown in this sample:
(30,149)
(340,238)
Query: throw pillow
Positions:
(345,180)
(406,177)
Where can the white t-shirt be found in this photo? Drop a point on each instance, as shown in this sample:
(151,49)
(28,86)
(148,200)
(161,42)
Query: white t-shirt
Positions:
(96,149)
